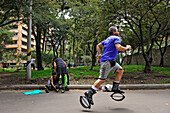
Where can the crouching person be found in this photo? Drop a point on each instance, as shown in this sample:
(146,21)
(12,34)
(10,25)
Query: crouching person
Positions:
(51,83)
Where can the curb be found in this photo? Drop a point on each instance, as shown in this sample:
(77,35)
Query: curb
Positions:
(123,86)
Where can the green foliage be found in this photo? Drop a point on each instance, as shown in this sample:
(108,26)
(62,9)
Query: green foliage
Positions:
(10,11)
(47,58)
(5,38)
(141,22)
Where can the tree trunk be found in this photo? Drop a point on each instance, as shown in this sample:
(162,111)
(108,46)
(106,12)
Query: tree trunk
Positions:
(38,49)
(61,55)
(73,51)
(94,54)
(137,56)
(147,67)
(147,64)
(163,50)
(63,50)
(162,61)
(69,58)
(77,59)
(43,46)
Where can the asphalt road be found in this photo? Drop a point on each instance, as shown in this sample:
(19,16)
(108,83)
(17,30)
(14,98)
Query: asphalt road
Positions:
(136,101)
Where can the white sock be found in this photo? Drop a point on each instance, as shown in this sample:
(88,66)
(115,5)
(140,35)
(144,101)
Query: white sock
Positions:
(116,81)
(96,89)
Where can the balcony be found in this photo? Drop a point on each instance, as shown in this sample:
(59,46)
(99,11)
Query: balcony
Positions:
(12,46)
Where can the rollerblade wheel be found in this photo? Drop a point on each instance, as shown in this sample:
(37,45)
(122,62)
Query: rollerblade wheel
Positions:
(117,96)
(84,102)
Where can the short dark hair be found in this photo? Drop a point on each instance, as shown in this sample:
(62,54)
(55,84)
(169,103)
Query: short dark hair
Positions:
(111,29)
(55,58)
(53,73)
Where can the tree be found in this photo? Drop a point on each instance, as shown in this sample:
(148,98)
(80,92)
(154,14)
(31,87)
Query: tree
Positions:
(142,18)
(43,13)
(10,11)
(162,42)
(5,39)
(90,24)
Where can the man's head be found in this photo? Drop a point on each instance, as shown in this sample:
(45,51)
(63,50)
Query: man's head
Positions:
(113,31)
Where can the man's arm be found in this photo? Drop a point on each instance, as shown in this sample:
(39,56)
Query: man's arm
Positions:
(52,82)
(99,50)
(119,47)
(55,67)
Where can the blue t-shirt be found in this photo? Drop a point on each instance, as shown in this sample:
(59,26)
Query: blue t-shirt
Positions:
(110,52)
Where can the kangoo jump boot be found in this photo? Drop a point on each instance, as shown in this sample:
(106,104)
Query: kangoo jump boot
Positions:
(57,88)
(47,89)
(116,89)
(63,89)
(88,94)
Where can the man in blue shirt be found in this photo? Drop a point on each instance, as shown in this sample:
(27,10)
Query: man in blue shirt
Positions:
(107,60)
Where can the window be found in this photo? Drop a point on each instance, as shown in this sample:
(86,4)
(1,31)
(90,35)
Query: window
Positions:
(24,50)
(11,50)
(15,35)
(24,43)
(23,36)
(24,30)
(14,29)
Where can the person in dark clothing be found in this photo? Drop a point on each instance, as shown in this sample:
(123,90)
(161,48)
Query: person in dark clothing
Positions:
(51,83)
(61,69)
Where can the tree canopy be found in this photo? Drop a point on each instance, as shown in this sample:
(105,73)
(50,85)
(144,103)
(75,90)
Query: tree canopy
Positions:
(73,28)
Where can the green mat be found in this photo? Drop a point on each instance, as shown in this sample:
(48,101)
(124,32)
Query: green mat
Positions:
(33,92)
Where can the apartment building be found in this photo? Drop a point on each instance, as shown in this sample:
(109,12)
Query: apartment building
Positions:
(20,43)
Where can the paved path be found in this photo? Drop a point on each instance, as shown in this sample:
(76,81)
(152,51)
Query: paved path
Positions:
(136,101)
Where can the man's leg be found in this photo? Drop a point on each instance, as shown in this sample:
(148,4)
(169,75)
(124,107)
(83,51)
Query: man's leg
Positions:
(47,87)
(57,82)
(119,74)
(33,66)
(116,83)
(98,83)
(93,90)
(63,87)
(104,71)
(66,88)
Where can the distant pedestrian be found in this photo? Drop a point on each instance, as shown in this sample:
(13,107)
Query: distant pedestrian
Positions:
(33,62)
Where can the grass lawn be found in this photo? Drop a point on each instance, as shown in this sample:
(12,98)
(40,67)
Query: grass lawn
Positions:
(85,72)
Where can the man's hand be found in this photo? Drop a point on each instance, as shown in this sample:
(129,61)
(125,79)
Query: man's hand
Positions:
(128,47)
(99,57)
(55,87)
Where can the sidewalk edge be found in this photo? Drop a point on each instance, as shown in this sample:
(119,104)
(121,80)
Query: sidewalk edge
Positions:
(123,86)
